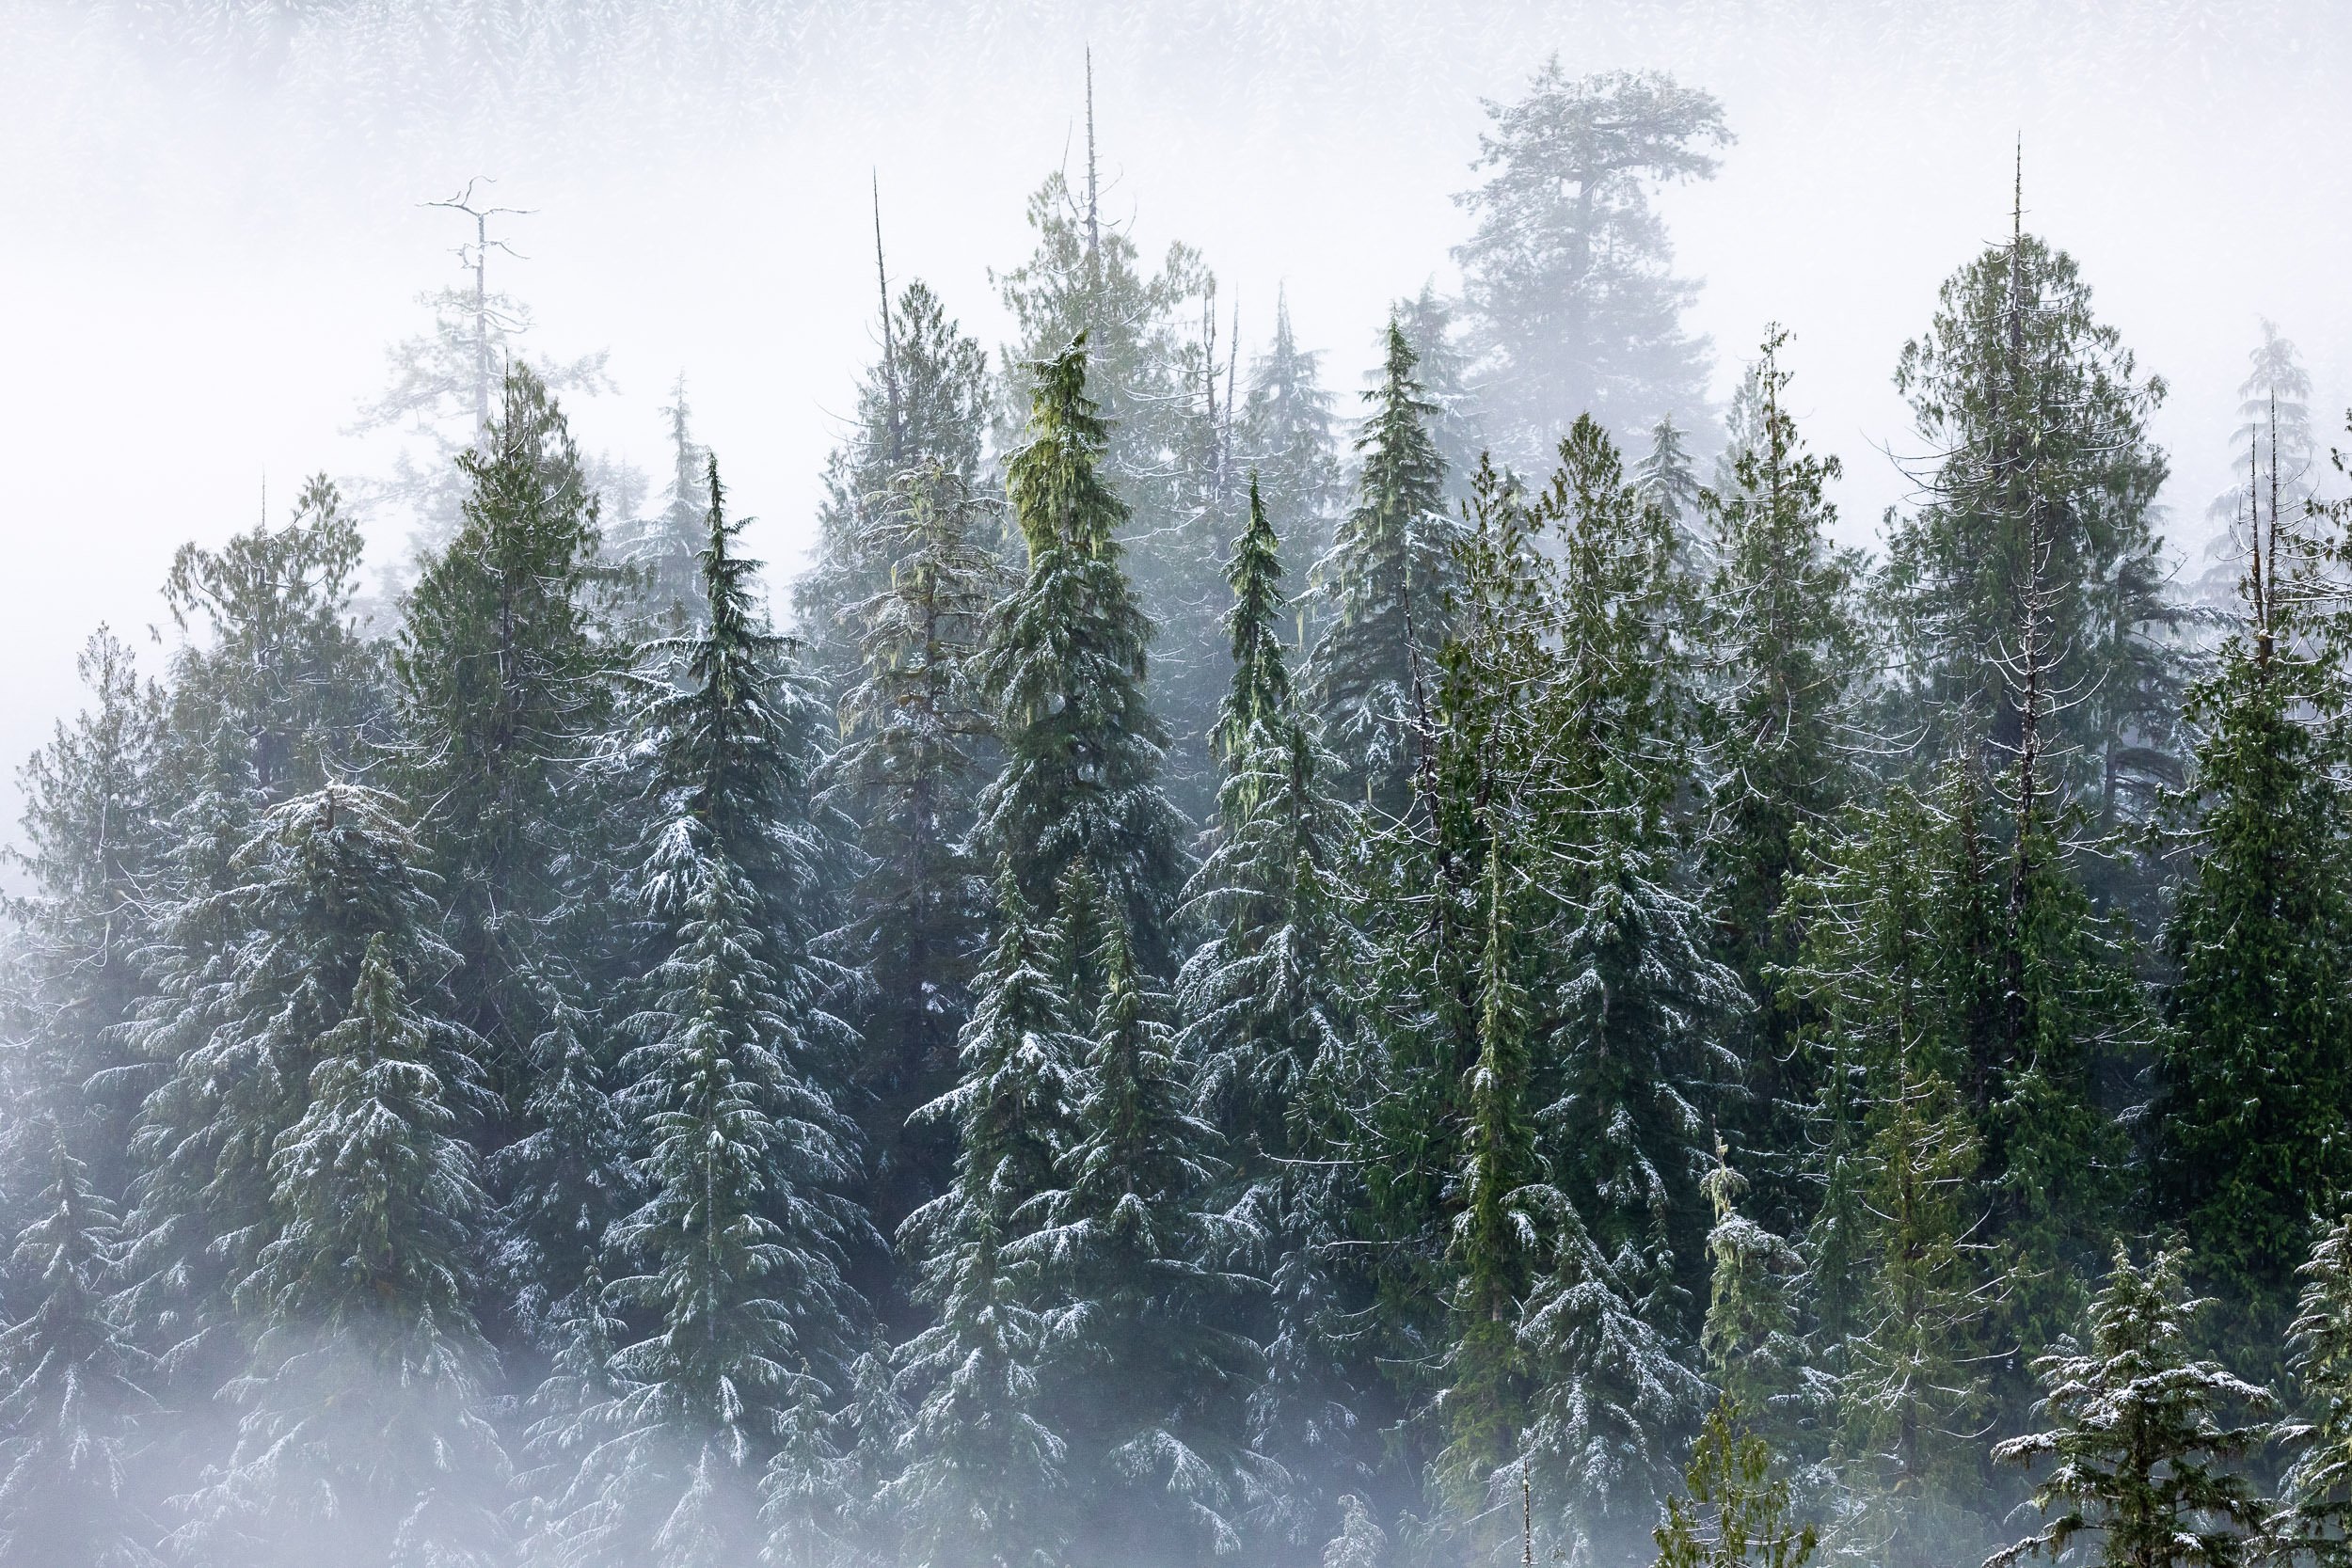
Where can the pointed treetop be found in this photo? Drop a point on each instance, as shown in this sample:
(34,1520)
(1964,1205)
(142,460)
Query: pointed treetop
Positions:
(1094,232)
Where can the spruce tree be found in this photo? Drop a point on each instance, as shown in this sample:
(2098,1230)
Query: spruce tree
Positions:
(2254,1082)
(1065,665)
(1786,659)
(1566,274)
(661,553)
(503,681)
(1387,579)
(1148,1381)
(365,1435)
(916,734)
(74,1386)
(2140,1449)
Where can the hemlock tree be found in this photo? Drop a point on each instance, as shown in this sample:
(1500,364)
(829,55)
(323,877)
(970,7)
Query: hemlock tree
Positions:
(71,1387)
(365,1433)
(504,682)
(2254,1082)
(1146,1378)
(2140,1444)
(1573,309)
(1442,364)
(987,1470)
(2274,456)
(923,407)
(1387,581)
(1734,1513)
(2315,1494)
(1785,658)
(1065,664)
(916,734)
(1749,1332)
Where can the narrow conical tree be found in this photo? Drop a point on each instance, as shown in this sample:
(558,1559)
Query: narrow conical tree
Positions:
(73,1387)
(2315,1494)
(1387,579)
(365,1435)
(1148,1382)
(1286,432)
(1065,664)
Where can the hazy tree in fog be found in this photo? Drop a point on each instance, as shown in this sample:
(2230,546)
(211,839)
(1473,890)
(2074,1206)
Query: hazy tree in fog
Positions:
(1441,362)
(1386,580)
(1572,305)
(2273,459)
(923,405)
(443,389)
(72,1384)
(1286,434)
(917,739)
(661,550)
(92,852)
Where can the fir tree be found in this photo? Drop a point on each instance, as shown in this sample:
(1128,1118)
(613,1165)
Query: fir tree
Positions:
(1065,664)
(502,677)
(73,1387)
(661,553)
(1566,273)
(917,734)
(2139,1443)
(2315,1494)
(1734,1513)
(1148,1381)
(1748,1334)
(364,1432)
(1388,580)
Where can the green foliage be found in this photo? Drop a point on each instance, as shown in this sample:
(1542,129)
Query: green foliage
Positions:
(2139,1441)
(1735,1513)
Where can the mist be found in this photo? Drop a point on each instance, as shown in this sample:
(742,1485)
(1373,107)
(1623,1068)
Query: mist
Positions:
(961,891)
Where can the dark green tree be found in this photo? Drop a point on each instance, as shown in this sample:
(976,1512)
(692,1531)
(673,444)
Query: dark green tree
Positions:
(1734,1513)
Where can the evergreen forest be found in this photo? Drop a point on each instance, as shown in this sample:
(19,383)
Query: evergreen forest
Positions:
(1233,970)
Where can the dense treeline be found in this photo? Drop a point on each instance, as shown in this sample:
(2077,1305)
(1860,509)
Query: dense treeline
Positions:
(1240,983)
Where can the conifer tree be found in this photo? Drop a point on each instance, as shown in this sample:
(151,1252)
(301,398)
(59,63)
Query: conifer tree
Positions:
(282,659)
(2253,1074)
(2140,1449)
(73,1387)
(1566,274)
(1734,1513)
(364,1435)
(1065,664)
(917,734)
(1748,1334)
(1666,476)
(923,407)
(1787,658)
(1386,580)
(502,679)
(93,861)
(2315,1494)
(1148,1382)
(1442,364)
(661,553)
(2042,480)
(1285,433)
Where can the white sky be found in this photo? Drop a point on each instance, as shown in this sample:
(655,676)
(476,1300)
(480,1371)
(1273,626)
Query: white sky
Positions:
(202,263)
